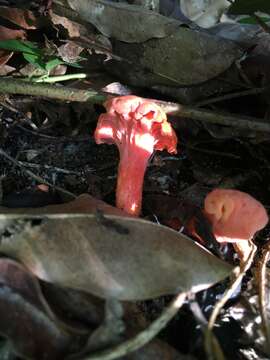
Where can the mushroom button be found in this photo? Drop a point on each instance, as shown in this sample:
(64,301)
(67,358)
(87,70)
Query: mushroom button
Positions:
(235,217)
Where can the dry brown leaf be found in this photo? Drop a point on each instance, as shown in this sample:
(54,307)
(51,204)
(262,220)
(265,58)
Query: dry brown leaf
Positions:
(23,18)
(7,34)
(70,51)
(110,256)
(72,27)
(184,58)
(5,69)
(26,320)
(123,21)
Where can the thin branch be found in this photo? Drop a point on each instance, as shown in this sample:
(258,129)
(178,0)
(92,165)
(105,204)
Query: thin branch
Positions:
(34,176)
(234,95)
(224,119)
(12,86)
(48,167)
(57,78)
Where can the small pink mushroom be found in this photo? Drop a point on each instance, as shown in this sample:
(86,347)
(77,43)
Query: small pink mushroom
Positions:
(235,217)
(138,127)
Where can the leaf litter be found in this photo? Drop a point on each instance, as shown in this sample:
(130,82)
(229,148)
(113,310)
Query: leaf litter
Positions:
(51,142)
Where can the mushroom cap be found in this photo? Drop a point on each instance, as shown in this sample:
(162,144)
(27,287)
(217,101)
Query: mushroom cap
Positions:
(134,120)
(234,215)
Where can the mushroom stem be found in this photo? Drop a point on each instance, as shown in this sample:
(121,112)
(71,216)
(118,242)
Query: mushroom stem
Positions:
(138,127)
(131,172)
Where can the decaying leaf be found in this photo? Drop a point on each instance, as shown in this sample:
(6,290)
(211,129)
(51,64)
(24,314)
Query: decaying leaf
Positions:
(6,34)
(109,256)
(26,319)
(72,28)
(184,58)
(5,69)
(73,305)
(124,22)
(70,52)
(23,18)
(205,13)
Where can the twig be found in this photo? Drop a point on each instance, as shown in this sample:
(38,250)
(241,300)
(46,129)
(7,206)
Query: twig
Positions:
(214,117)
(48,167)
(143,337)
(209,343)
(212,152)
(53,79)
(263,295)
(233,95)
(34,176)
(59,139)
(11,86)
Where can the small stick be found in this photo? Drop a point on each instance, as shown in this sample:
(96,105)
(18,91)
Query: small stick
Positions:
(34,176)
(233,95)
(12,86)
(48,167)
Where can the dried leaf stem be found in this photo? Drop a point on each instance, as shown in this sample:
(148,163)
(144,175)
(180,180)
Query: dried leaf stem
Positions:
(34,176)
(12,86)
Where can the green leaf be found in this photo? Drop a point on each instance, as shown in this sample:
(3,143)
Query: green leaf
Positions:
(20,46)
(252,21)
(51,64)
(35,60)
(240,7)
(76,65)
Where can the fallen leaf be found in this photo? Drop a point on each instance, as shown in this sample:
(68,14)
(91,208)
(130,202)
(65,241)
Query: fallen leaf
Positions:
(5,69)
(7,34)
(205,13)
(74,306)
(185,57)
(72,27)
(124,22)
(109,256)
(23,18)
(70,52)
(26,320)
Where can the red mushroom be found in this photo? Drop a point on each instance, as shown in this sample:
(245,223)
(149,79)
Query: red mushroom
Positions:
(138,127)
(235,217)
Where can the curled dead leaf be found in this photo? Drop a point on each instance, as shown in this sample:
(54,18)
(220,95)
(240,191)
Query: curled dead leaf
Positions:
(26,319)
